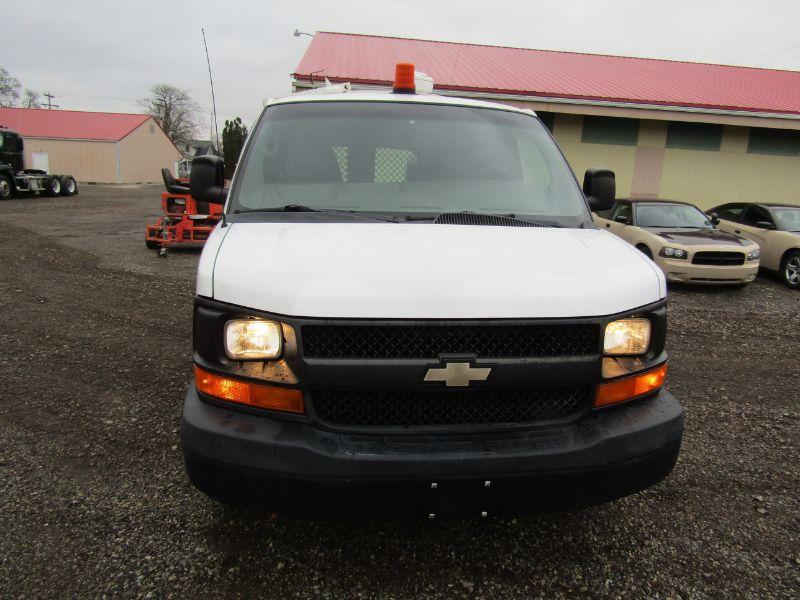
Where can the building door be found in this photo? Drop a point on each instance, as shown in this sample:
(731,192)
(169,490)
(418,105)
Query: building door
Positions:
(40,161)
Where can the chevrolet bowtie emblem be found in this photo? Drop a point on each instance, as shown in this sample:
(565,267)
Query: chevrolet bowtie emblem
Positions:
(458,374)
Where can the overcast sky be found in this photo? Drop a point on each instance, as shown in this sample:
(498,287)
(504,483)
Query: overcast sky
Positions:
(104,54)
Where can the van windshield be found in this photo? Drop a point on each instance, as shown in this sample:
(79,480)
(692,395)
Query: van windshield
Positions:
(406,158)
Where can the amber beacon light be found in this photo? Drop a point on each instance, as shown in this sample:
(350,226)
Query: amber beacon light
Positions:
(404,79)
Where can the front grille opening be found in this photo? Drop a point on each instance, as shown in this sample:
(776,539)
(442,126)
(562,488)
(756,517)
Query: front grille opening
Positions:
(445,407)
(718,258)
(423,341)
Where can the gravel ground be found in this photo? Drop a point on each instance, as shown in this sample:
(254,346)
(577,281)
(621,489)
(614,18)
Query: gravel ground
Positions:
(95,342)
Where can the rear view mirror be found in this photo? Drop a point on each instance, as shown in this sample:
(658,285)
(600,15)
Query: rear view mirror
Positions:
(622,219)
(207,179)
(714,218)
(600,188)
(764,225)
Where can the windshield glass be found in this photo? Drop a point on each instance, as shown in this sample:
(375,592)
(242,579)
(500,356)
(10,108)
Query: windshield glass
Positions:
(406,158)
(670,215)
(787,218)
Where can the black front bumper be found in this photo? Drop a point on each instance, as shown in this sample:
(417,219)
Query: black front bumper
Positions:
(294,468)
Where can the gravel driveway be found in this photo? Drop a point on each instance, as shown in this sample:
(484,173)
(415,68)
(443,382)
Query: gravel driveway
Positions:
(95,354)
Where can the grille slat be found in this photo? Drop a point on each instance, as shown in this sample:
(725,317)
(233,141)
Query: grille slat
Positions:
(718,258)
(422,341)
(443,407)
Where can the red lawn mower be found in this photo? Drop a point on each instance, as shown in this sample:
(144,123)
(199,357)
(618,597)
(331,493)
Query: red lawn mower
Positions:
(186,222)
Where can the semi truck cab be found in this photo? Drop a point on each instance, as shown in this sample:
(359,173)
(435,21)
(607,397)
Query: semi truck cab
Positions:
(15,179)
(408,312)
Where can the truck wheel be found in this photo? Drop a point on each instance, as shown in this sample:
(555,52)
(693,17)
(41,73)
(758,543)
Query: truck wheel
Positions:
(151,245)
(6,188)
(53,187)
(68,185)
(790,269)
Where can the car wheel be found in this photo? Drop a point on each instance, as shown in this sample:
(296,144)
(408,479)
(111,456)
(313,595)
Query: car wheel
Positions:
(68,185)
(53,187)
(645,250)
(790,269)
(6,188)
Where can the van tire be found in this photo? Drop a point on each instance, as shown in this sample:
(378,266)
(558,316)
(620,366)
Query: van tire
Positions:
(645,250)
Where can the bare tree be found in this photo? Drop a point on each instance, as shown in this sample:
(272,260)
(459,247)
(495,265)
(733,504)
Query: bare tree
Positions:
(175,110)
(30,99)
(9,88)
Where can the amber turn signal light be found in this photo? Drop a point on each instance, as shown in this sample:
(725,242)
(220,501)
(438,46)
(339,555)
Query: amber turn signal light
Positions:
(256,395)
(629,388)
(404,78)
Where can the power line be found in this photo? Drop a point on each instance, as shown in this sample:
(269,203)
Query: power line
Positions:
(779,61)
(768,53)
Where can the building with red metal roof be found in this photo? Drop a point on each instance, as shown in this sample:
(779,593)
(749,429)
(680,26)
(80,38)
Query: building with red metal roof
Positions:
(93,146)
(705,133)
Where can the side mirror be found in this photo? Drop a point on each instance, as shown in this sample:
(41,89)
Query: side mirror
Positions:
(714,218)
(622,219)
(764,225)
(207,179)
(600,188)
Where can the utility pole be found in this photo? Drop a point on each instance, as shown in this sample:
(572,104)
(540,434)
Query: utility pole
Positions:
(50,104)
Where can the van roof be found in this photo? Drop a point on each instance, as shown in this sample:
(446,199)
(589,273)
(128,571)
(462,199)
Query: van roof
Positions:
(318,95)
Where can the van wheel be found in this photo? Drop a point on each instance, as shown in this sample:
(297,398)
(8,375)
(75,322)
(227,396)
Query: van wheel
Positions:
(645,250)
(68,185)
(6,188)
(790,269)
(53,186)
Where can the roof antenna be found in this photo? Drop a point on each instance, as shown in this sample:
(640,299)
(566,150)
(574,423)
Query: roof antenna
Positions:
(211,81)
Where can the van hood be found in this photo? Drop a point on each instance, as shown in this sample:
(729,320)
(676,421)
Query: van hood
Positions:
(426,271)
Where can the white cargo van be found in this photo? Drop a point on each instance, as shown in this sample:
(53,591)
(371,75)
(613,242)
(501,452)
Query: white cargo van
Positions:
(408,311)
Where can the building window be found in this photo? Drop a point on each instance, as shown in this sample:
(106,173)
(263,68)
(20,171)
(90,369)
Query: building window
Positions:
(610,130)
(694,136)
(784,142)
(548,119)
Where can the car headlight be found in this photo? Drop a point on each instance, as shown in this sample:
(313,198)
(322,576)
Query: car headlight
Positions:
(754,254)
(252,339)
(668,252)
(627,336)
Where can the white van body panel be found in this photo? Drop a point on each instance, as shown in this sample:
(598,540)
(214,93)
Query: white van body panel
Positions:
(426,271)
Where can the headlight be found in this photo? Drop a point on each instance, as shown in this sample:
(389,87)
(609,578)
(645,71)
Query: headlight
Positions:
(627,336)
(668,252)
(754,254)
(250,339)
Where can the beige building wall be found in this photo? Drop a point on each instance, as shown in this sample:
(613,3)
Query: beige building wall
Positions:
(704,177)
(86,161)
(144,152)
(621,159)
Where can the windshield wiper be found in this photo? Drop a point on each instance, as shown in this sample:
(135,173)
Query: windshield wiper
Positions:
(303,208)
